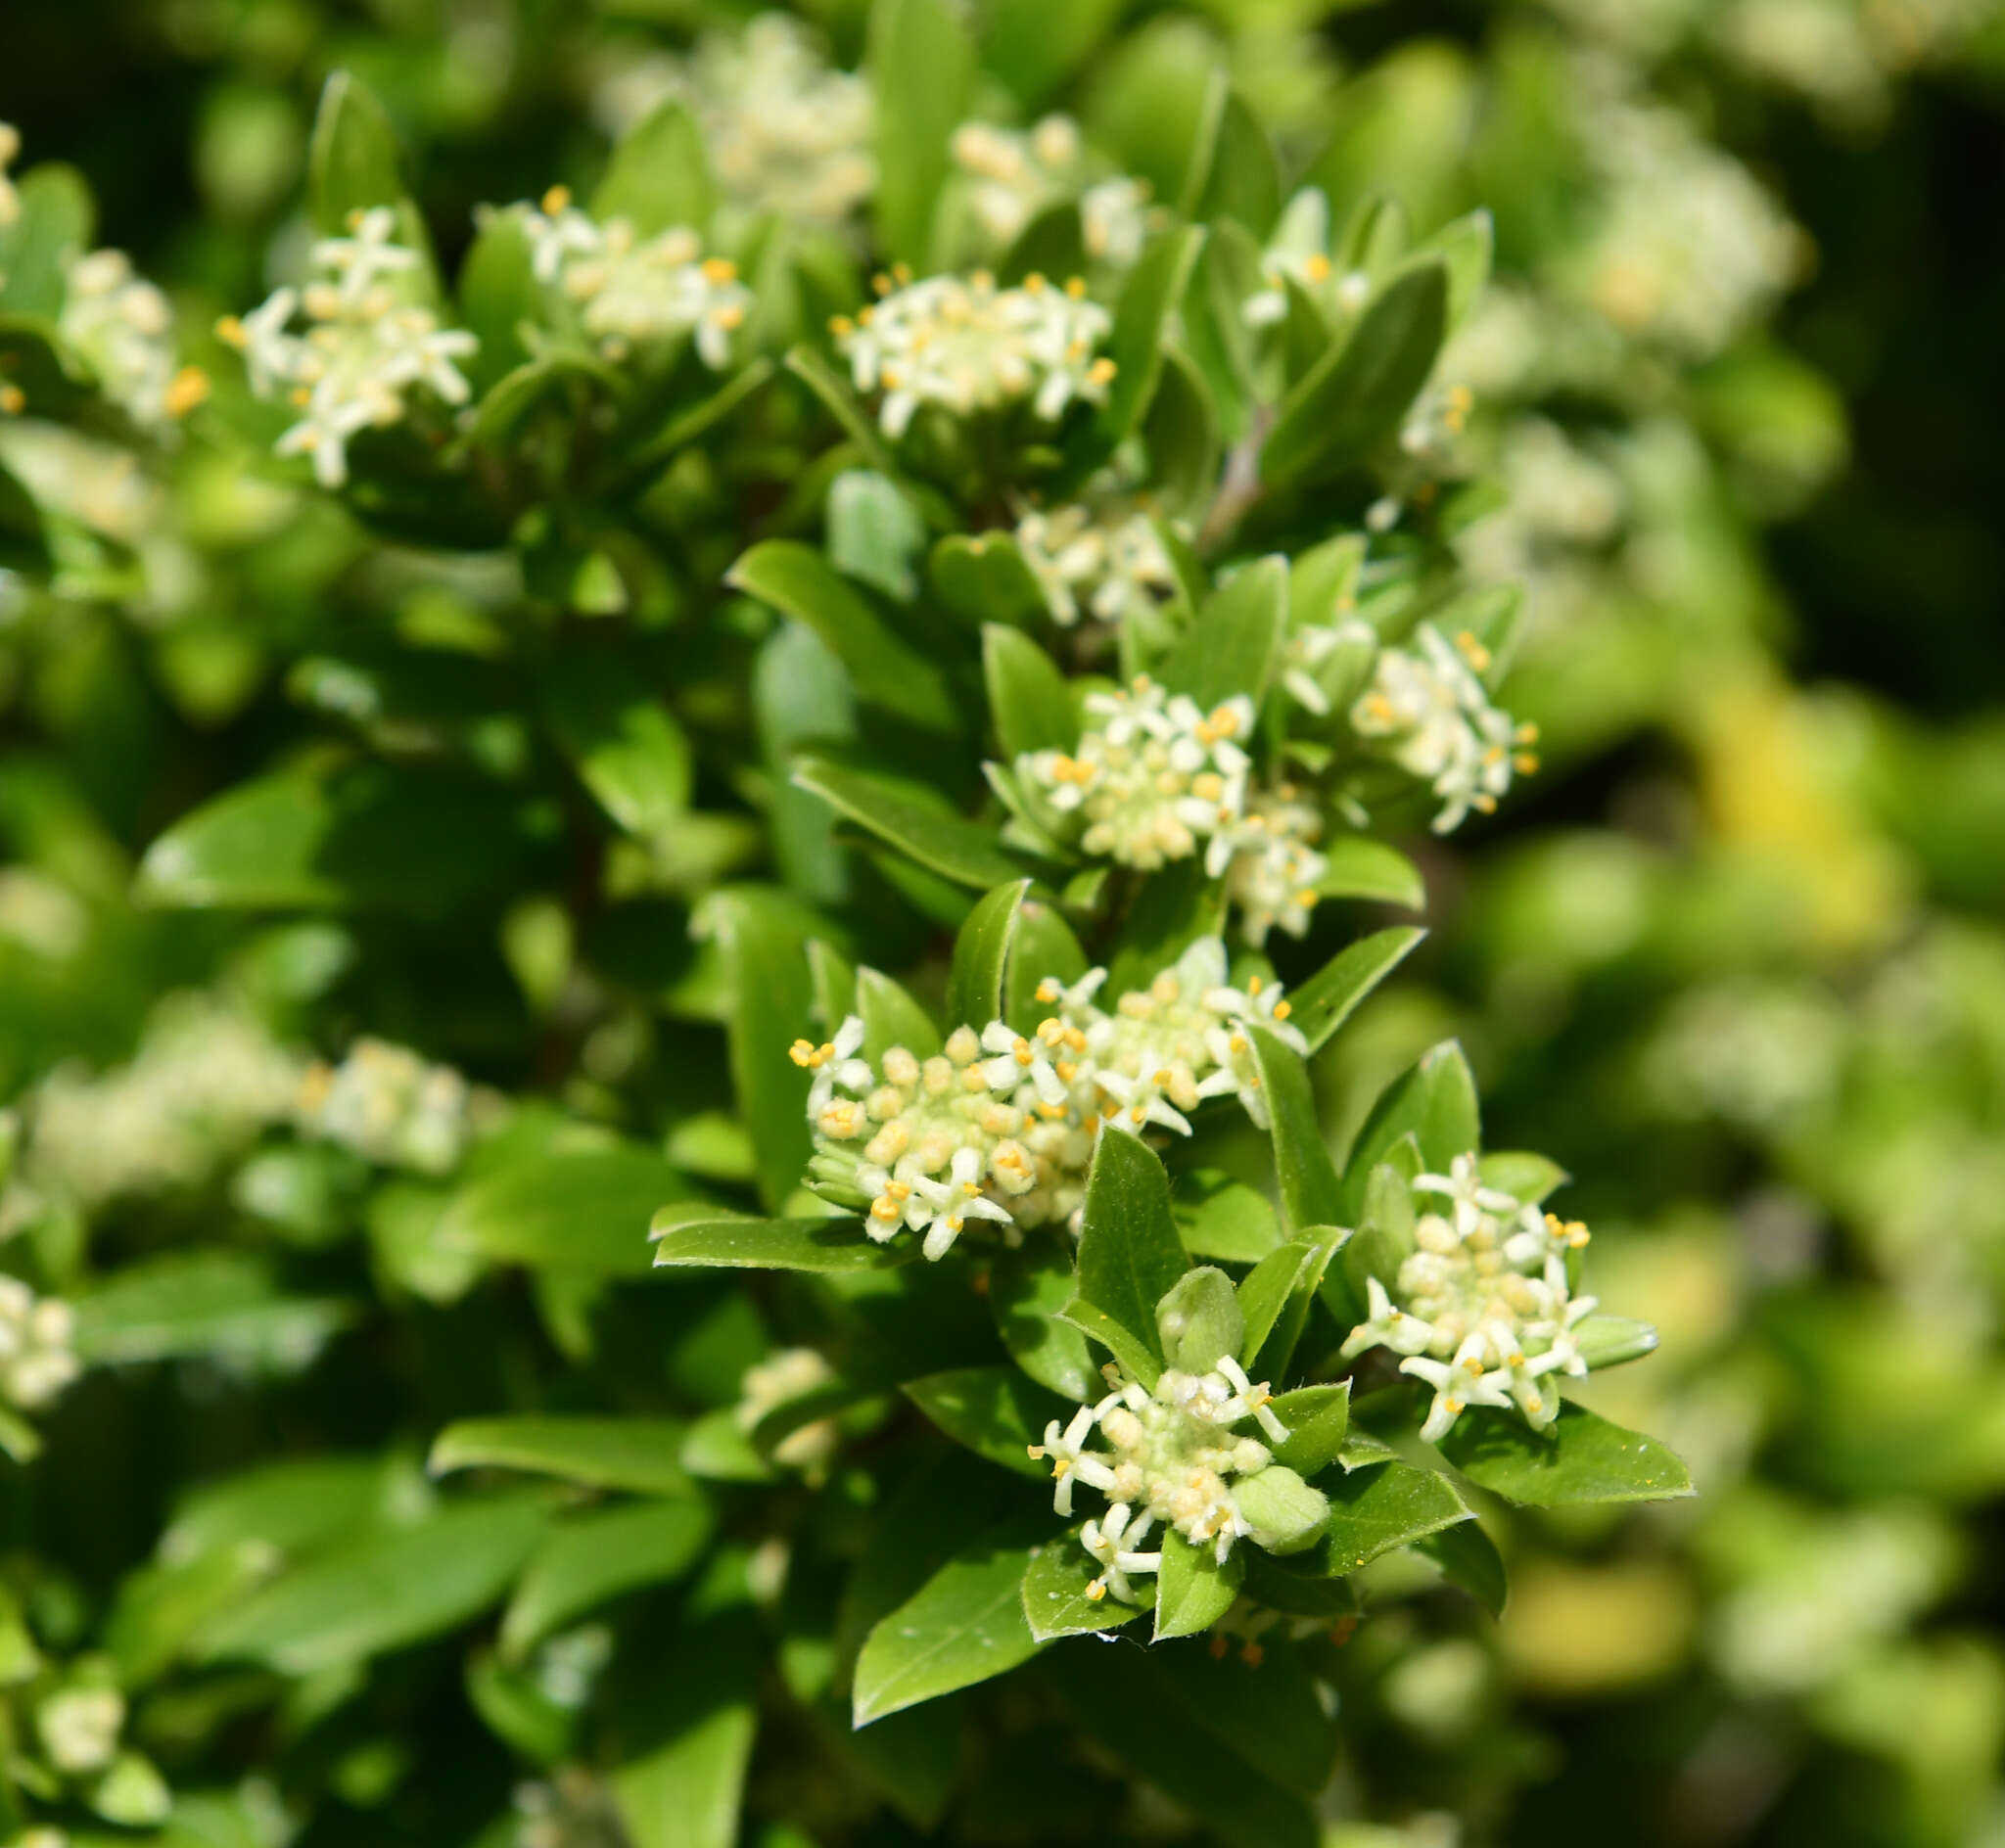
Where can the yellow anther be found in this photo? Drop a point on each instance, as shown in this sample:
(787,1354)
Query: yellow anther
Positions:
(1096,1591)
(300,395)
(555,200)
(13,399)
(1138,1115)
(1308,900)
(1316,269)
(1254,985)
(903,272)
(1048,991)
(1163,1076)
(881,283)
(1283,1009)
(1101,372)
(1525,764)
(1238,1043)
(1075,287)
(189,388)
(1035,284)
(884,1208)
(802,1054)
(230,331)
(720,269)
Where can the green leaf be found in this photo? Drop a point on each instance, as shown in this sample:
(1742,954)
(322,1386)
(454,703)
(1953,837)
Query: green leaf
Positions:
(1199,1322)
(1318,1420)
(1192,1589)
(1374,1510)
(364,835)
(1265,1291)
(761,941)
(874,533)
(1129,1253)
(1583,1457)
(993,1410)
(1115,1335)
(628,750)
(1263,1707)
(717,1448)
(1045,950)
(579,1209)
(1028,700)
(634,1453)
(1055,1599)
(936,838)
(498,295)
(1361,868)
(892,1018)
(982,953)
(984,578)
(1329,999)
(352,163)
(1468,1556)
(686,1790)
(1182,431)
(834,983)
(965,1624)
(1310,1191)
(1051,243)
(1154,287)
(1521,1174)
(658,177)
(1235,641)
(1219,1216)
(383,1591)
(748,1244)
(1176,907)
(832,389)
(590,1559)
(1245,182)
(885,669)
(55,221)
(1029,1290)
(220,1304)
(921,63)
(1355,400)
(1466,245)
(1033,46)
(1434,1102)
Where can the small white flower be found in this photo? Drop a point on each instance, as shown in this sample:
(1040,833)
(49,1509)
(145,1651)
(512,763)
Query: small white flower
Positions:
(1112,1541)
(1457,1385)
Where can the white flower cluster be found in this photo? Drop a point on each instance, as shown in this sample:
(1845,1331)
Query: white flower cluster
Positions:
(572,1809)
(1483,1312)
(1155,776)
(1173,1459)
(390,1106)
(35,1340)
(1691,249)
(968,346)
(368,346)
(1018,172)
(1426,710)
(1842,56)
(122,326)
(1098,556)
(206,1081)
(778,1380)
(784,132)
(79,1726)
(1002,1126)
(637,292)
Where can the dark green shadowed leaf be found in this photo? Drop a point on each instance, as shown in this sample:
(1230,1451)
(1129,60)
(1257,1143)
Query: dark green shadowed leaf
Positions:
(1355,399)
(886,670)
(1193,1590)
(595,1557)
(1583,1457)
(939,840)
(1470,1558)
(985,580)
(748,1244)
(965,1624)
(1153,289)
(584,1210)
(1029,1289)
(994,1411)
(637,1454)
(833,391)
(982,953)
(1177,906)
(1129,1252)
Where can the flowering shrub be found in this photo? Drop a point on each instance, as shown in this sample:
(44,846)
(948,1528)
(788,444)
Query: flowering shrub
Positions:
(865,680)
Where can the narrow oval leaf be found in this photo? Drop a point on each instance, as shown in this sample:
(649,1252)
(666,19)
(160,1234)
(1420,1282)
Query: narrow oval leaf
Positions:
(939,840)
(1029,1289)
(892,1018)
(581,1210)
(1583,1457)
(982,953)
(920,62)
(590,1559)
(993,1410)
(1434,1102)
(1470,1558)
(1029,702)
(1219,1216)
(1129,1253)
(1361,868)
(1310,1191)
(1374,1510)
(984,578)
(965,1624)
(1233,646)
(749,1244)
(1193,1590)
(658,177)
(1154,287)
(638,1455)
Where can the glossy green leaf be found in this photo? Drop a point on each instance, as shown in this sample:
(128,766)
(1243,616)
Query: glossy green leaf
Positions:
(1470,1558)
(226,1306)
(921,63)
(384,1591)
(1235,644)
(658,177)
(874,533)
(1310,1192)
(1466,245)
(1265,1290)
(1193,1590)
(1522,1173)
(1217,1217)
(982,953)
(352,163)
(583,1210)
(749,1244)
(886,670)
(1129,1252)
(939,840)
(994,1411)
(1148,298)
(1355,400)
(1434,1101)
(593,1558)
(54,222)
(634,1454)
(892,1018)
(1318,1420)
(1615,1340)
(1374,1510)
(687,1790)
(1329,999)
(963,1626)
(1055,1594)
(1045,950)
(1583,1457)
